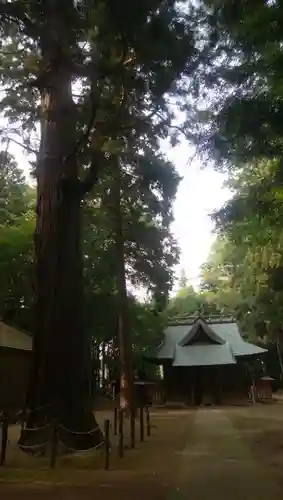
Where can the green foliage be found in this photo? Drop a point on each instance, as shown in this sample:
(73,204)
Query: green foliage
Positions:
(238,125)
(127,74)
(16,244)
(217,295)
(16,270)
(15,196)
(248,250)
(147,245)
(243,115)
(185,303)
(149,248)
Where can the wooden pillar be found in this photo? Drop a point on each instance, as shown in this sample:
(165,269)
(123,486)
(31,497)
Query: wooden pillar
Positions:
(192,394)
(217,385)
(220,381)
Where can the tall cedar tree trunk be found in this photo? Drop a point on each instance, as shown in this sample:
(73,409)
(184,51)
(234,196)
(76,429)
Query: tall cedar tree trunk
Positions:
(125,346)
(59,382)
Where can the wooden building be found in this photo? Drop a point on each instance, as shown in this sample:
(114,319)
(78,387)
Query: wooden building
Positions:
(15,357)
(205,361)
(264,388)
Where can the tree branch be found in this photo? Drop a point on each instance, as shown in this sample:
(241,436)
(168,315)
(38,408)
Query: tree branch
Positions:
(14,12)
(24,146)
(92,174)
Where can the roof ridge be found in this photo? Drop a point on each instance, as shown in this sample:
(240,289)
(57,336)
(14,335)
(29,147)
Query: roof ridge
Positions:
(209,320)
(207,328)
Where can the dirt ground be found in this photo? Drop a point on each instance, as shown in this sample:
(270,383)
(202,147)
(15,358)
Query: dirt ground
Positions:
(148,470)
(222,445)
(262,428)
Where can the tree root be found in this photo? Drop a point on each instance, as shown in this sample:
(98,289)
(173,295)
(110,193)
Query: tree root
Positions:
(73,431)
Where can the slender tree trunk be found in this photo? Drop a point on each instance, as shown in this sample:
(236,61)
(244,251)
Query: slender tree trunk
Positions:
(95,368)
(124,334)
(59,384)
(103,365)
(279,354)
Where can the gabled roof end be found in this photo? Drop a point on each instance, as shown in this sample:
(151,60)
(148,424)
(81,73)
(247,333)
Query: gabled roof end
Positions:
(200,323)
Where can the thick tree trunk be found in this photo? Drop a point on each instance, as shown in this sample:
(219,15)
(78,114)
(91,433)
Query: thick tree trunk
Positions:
(59,383)
(124,334)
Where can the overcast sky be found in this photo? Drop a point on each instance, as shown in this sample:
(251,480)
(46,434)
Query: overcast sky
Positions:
(200,192)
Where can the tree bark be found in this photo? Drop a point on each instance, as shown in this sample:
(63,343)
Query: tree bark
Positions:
(124,334)
(279,354)
(59,382)
(103,366)
(94,368)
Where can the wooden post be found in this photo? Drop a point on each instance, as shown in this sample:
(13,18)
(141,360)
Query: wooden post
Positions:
(107,444)
(23,421)
(133,429)
(148,421)
(121,433)
(115,421)
(4,439)
(141,424)
(54,445)
(253,393)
